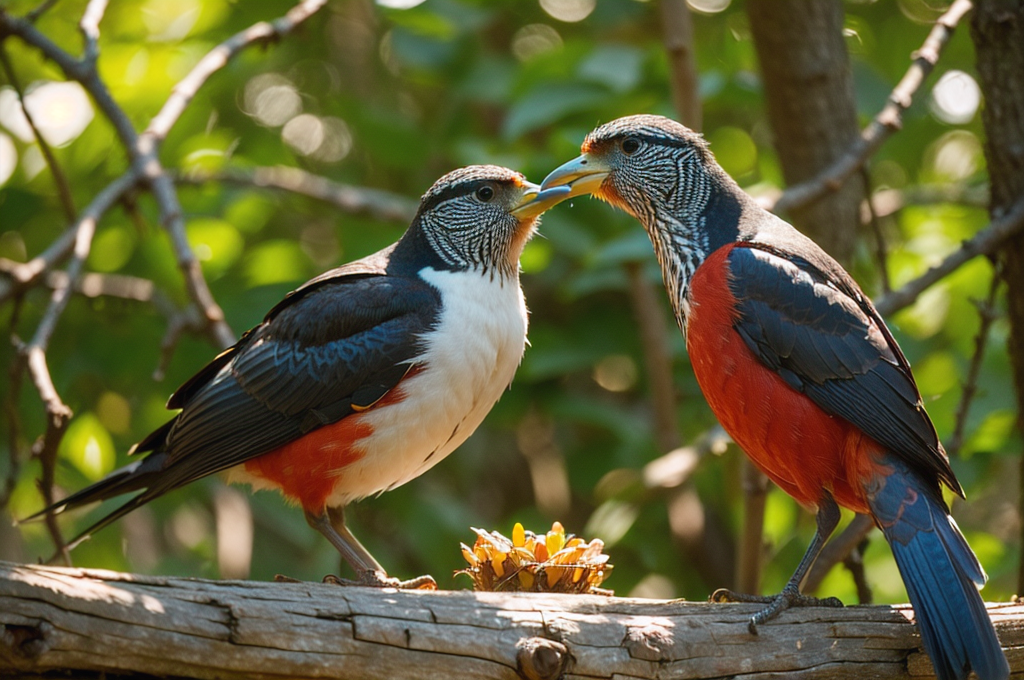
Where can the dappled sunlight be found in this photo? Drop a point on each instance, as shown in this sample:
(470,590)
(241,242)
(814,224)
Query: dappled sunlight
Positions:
(86,589)
(60,110)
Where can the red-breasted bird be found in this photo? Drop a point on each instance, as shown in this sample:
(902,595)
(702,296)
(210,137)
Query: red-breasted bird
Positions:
(364,377)
(800,370)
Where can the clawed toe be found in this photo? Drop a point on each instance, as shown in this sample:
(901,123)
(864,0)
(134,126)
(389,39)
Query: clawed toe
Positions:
(378,579)
(776,603)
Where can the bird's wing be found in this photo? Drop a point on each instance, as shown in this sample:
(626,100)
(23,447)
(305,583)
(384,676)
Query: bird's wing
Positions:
(825,339)
(334,347)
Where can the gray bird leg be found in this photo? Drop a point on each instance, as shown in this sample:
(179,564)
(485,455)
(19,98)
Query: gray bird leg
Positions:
(827,519)
(369,572)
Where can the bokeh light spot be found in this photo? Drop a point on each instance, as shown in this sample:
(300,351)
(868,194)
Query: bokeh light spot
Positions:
(8,158)
(616,373)
(534,39)
(569,10)
(304,133)
(272,99)
(61,112)
(955,98)
(708,6)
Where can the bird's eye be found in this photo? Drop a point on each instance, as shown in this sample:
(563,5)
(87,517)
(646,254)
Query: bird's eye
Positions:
(630,145)
(484,194)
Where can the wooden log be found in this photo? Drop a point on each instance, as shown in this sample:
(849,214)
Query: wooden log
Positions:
(88,622)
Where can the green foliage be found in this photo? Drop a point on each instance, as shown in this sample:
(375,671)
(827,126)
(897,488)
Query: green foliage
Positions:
(393,99)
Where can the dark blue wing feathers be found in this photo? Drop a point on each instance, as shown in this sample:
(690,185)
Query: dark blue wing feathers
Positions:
(340,341)
(826,340)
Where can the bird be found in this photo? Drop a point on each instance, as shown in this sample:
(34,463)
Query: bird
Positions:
(362,378)
(801,371)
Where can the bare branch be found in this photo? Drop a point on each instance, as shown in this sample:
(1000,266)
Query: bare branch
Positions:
(218,57)
(837,550)
(986,241)
(90,27)
(679,45)
(39,11)
(876,226)
(889,201)
(987,313)
(888,120)
(657,357)
(59,179)
(751,540)
(379,204)
(23,276)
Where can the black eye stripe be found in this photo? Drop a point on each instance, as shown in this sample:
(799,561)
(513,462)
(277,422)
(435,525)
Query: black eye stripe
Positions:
(454,191)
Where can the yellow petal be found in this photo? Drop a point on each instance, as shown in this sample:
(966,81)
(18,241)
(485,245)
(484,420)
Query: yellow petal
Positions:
(554,541)
(518,535)
(497,562)
(526,579)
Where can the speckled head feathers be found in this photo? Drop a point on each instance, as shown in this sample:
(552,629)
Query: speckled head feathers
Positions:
(657,129)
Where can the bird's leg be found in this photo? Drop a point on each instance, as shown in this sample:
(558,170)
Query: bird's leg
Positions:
(827,519)
(368,570)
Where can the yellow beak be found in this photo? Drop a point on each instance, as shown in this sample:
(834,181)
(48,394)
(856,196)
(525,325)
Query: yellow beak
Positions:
(583,175)
(536,200)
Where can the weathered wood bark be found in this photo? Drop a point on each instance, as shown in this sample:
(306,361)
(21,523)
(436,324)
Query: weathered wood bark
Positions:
(59,620)
(808,88)
(998,32)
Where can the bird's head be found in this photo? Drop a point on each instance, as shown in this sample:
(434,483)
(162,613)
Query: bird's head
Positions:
(646,165)
(480,217)
(663,174)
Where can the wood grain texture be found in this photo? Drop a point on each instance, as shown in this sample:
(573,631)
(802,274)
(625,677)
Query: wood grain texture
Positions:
(77,620)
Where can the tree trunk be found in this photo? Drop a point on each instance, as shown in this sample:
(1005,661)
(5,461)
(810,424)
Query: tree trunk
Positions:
(809,92)
(998,33)
(59,620)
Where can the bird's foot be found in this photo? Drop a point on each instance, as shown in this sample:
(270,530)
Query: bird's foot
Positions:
(378,579)
(789,597)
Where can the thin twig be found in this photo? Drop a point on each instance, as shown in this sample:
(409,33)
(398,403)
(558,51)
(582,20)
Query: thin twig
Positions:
(679,44)
(836,550)
(876,226)
(657,357)
(382,205)
(40,10)
(854,562)
(262,32)
(888,120)
(90,27)
(59,179)
(987,314)
(751,539)
(986,241)
(889,201)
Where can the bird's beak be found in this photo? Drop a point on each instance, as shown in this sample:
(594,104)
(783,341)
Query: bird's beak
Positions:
(583,175)
(536,200)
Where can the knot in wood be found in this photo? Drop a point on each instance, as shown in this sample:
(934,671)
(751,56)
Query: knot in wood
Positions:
(27,641)
(541,659)
(650,643)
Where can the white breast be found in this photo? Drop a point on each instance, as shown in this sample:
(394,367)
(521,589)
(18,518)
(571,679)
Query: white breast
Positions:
(469,360)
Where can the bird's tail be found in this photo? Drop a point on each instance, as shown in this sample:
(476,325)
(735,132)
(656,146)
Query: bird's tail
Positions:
(138,475)
(941,573)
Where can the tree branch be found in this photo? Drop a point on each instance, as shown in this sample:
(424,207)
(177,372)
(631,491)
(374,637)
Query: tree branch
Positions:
(985,242)
(379,204)
(987,314)
(54,619)
(59,179)
(888,120)
(259,33)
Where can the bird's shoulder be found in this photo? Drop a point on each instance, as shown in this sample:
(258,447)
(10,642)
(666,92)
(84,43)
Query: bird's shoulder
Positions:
(805,318)
(330,308)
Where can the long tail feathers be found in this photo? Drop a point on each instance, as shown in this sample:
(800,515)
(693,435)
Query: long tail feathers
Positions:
(139,475)
(942,576)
